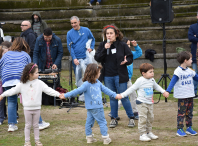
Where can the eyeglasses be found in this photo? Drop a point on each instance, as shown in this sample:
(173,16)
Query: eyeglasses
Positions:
(24,25)
(47,38)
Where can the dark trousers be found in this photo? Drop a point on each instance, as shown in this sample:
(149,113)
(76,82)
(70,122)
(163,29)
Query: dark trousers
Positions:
(2,110)
(185,110)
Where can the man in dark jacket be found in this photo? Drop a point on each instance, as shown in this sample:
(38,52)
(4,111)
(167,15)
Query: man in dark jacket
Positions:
(193,37)
(38,25)
(28,35)
(48,51)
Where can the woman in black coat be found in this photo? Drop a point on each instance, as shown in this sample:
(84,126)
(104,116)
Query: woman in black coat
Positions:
(115,55)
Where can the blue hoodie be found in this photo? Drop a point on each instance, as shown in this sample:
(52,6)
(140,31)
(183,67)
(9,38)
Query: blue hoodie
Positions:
(136,54)
(92,92)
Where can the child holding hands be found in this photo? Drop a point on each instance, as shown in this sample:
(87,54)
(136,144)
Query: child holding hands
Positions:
(144,86)
(92,88)
(182,81)
(31,89)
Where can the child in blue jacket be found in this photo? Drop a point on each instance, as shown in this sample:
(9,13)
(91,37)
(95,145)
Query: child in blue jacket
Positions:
(92,88)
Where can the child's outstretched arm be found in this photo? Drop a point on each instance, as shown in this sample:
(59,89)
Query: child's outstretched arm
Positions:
(12,91)
(77,91)
(107,91)
(130,90)
(160,89)
(172,83)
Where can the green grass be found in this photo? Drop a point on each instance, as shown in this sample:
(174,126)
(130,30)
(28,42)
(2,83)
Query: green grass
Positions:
(67,129)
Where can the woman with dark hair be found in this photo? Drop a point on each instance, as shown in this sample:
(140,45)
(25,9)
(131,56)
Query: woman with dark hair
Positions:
(11,67)
(115,55)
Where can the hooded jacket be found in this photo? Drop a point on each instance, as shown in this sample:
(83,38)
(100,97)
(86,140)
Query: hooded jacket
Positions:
(30,38)
(43,23)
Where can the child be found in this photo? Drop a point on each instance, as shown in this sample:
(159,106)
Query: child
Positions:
(133,96)
(31,89)
(144,86)
(92,88)
(3,50)
(184,91)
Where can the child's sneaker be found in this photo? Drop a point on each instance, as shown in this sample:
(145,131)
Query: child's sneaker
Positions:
(90,139)
(27,144)
(144,137)
(190,131)
(1,123)
(106,139)
(38,143)
(152,136)
(113,123)
(97,3)
(131,123)
(12,128)
(180,132)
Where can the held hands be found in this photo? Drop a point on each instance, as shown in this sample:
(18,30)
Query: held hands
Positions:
(123,62)
(61,96)
(89,49)
(134,43)
(1,97)
(118,96)
(166,94)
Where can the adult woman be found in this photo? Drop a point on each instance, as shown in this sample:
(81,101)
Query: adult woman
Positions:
(11,66)
(114,56)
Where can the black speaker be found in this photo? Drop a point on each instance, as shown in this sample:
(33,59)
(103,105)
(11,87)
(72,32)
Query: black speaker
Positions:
(161,11)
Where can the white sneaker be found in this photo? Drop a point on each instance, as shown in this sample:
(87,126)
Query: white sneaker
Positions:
(43,125)
(152,136)
(89,4)
(144,137)
(1,123)
(12,128)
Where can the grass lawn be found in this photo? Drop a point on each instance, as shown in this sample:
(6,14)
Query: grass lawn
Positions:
(68,128)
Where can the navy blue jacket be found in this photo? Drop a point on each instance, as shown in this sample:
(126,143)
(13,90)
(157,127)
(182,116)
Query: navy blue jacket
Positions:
(30,38)
(56,51)
(193,37)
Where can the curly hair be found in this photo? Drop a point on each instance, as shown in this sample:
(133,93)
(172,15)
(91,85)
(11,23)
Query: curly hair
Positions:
(20,44)
(91,72)
(26,72)
(118,33)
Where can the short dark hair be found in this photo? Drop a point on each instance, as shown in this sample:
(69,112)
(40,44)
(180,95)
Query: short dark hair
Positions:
(144,67)
(47,31)
(182,56)
(91,72)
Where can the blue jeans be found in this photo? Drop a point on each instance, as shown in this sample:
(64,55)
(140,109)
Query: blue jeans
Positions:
(98,115)
(2,109)
(12,107)
(91,1)
(113,84)
(194,66)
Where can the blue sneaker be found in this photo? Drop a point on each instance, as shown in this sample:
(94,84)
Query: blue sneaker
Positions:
(180,132)
(190,131)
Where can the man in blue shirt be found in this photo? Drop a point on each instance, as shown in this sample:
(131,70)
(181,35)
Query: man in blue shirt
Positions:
(79,36)
(193,38)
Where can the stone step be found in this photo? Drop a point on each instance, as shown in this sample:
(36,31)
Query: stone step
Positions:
(172,32)
(63,13)
(100,22)
(157,45)
(10,4)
